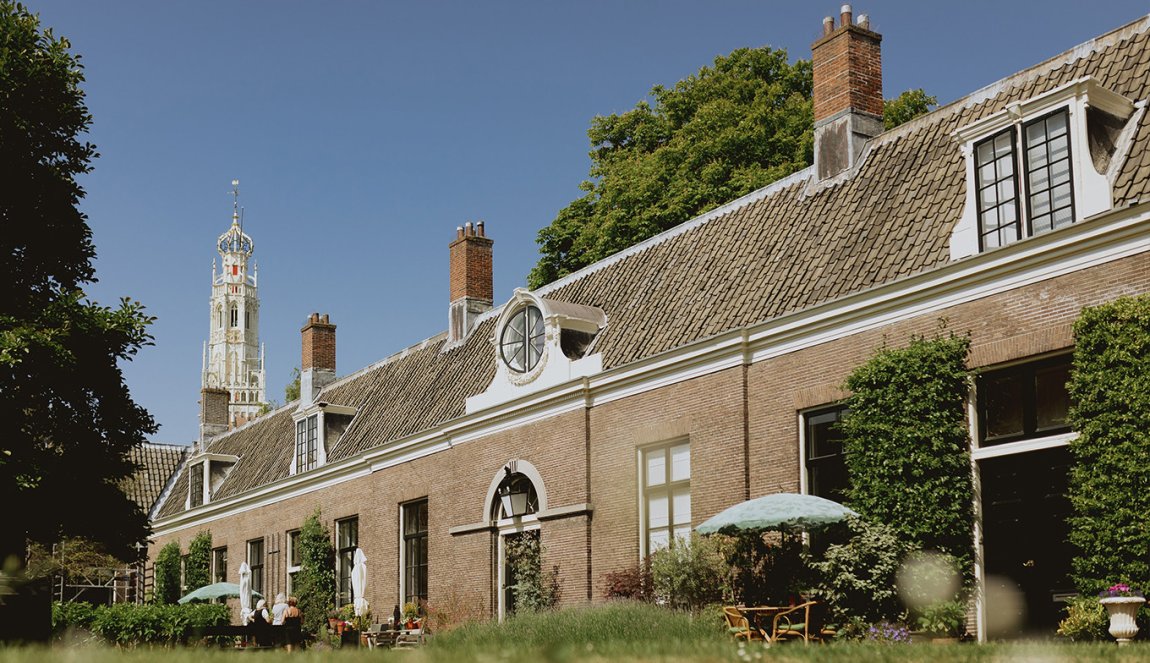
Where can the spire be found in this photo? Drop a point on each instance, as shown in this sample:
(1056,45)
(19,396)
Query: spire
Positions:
(235,201)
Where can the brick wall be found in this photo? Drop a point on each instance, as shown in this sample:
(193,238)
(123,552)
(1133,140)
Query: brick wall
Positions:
(471,254)
(847,68)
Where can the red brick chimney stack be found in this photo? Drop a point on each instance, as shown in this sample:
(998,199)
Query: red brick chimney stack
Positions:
(848,101)
(213,414)
(472,287)
(317,362)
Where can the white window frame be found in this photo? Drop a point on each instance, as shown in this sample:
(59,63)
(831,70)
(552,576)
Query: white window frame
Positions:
(317,410)
(257,562)
(403,547)
(1090,189)
(641,456)
(291,568)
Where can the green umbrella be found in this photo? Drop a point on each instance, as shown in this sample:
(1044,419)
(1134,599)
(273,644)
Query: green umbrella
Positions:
(217,590)
(781,511)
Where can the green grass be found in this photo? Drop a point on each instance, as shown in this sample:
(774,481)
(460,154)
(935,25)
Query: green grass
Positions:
(617,632)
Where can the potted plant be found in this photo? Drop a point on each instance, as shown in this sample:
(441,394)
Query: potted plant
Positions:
(333,620)
(410,615)
(1122,602)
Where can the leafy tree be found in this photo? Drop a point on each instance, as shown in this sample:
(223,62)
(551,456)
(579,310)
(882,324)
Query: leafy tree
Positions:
(907,106)
(727,130)
(167,578)
(907,447)
(198,571)
(291,390)
(1110,395)
(315,583)
(70,421)
(74,558)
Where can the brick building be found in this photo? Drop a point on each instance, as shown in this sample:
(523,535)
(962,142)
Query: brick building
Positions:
(643,394)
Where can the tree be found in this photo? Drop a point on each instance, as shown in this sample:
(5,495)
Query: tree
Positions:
(716,135)
(167,588)
(907,106)
(70,421)
(291,390)
(315,583)
(198,569)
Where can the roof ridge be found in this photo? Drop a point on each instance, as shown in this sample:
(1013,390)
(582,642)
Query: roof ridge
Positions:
(686,226)
(166,445)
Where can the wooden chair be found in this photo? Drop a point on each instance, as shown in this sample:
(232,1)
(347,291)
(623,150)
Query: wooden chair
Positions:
(792,623)
(739,626)
(818,628)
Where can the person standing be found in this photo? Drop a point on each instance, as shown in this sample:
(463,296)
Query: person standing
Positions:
(278,609)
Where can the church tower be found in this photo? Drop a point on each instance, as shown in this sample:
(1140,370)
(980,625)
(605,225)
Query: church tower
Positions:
(233,358)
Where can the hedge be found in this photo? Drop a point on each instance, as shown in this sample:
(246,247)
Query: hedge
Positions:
(1110,473)
(127,624)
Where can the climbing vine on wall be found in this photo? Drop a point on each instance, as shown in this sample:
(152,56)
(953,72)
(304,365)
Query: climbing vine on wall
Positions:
(197,571)
(315,584)
(167,578)
(907,446)
(1110,473)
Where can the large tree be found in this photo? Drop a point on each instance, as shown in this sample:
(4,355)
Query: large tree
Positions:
(69,419)
(732,128)
(716,135)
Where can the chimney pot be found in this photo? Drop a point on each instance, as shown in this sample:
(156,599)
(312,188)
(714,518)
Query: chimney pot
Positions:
(479,229)
(459,232)
(845,16)
(864,21)
(828,25)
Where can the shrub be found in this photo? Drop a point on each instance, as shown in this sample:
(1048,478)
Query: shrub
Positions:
(1085,620)
(167,574)
(692,573)
(315,583)
(857,579)
(942,618)
(72,615)
(127,624)
(907,446)
(1110,395)
(634,583)
(197,572)
(535,590)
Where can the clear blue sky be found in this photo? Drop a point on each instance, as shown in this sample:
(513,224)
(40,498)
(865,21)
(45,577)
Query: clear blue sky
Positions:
(364,132)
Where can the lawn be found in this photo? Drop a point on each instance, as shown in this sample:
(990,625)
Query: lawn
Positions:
(619,632)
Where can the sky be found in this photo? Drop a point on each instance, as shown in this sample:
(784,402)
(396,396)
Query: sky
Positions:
(364,132)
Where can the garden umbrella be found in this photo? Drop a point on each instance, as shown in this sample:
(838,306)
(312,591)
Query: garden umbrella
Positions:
(359,582)
(216,590)
(781,511)
(245,592)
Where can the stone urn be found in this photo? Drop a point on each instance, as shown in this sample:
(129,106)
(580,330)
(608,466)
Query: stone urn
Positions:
(1122,610)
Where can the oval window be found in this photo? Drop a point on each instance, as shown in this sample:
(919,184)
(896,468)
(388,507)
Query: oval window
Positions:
(521,344)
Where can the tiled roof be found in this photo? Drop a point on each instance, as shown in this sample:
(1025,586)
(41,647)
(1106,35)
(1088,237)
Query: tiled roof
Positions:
(155,465)
(779,250)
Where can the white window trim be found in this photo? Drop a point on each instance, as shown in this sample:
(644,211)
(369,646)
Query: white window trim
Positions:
(318,409)
(290,569)
(642,485)
(403,549)
(205,461)
(1092,190)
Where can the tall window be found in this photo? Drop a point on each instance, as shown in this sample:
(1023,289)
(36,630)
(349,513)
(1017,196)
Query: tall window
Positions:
(666,494)
(347,540)
(1024,402)
(220,564)
(235,316)
(256,563)
(414,515)
(293,560)
(306,441)
(196,484)
(1046,187)
(826,466)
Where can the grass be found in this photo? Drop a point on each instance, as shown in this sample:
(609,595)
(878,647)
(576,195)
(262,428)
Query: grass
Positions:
(617,632)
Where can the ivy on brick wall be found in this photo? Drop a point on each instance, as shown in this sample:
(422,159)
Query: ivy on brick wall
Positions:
(167,574)
(197,570)
(315,583)
(1110,474)
(907,446)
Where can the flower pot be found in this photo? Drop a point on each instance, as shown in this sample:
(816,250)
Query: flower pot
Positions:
(1122,610)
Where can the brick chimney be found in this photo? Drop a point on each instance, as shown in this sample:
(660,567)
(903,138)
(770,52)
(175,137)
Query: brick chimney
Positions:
(213,414)
(317,363)
(472,291)
(847,66)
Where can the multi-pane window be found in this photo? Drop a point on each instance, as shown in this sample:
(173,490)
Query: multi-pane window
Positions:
(1023,402)
(196,484)
(220,564)
(293,559)
(347,540)
(666,494)
(306,441)
(256,563)
(826,466)
(1046,189)
(414,515)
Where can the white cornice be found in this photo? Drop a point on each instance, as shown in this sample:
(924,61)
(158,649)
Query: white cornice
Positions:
(1096,241)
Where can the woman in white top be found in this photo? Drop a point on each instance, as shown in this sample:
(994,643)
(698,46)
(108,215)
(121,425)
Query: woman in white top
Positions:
(278,609)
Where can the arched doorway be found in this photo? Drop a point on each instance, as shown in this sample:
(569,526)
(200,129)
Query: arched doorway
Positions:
(513,503)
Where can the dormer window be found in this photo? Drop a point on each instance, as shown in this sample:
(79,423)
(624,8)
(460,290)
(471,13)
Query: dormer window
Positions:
(521,343)
(318,428)
(1040,165)
(206,474)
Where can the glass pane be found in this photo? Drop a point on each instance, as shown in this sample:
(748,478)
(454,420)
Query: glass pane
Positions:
(681,506)
(1002,402)
(1042,224)
(1006,190)
(1035,133)
(656,468)
(1058,149)
(1002,143)
(293,549)
(986,156)
(681,462)
(657,541)
(823,435)
(1006,167)
(1036,156)
(1039,180)
(989,196)
(657,515)
(1056,124)
(986,174)
(991,240)
(1061,195)
(1064,217)
(1040,203)
(1008,214)
(683,533)
(1051,398)
(1060,171)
